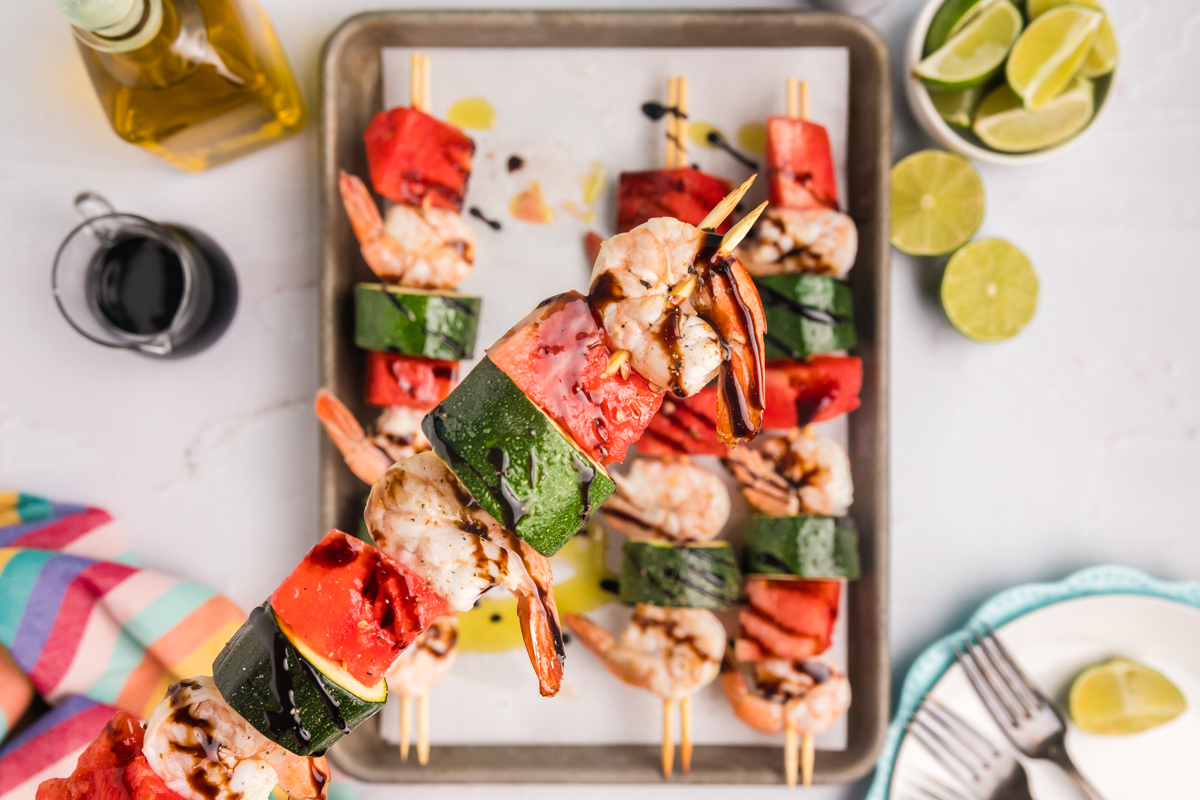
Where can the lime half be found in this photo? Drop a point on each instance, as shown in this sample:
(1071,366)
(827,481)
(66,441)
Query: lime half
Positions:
(976,51)
(1003,122)
(937,203)
(1120,697)
(1050,52)
(957,108)
(1103,57)
(989,291)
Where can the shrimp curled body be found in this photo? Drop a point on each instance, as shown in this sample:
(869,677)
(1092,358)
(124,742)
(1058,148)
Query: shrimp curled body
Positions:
(674,501)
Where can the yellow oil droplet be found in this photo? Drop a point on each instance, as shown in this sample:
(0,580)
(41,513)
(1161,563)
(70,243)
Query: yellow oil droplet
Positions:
(530,205)
(752,137)
(472,112)
(593,184)
(698,132)
(480,631)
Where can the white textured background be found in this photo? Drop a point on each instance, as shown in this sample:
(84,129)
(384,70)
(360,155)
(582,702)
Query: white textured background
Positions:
(1074,444)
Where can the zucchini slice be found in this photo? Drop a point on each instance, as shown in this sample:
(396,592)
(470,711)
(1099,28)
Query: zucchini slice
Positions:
(702,575)
(415,322)
(807,547)
(806,314)
(515,461)
(286,696)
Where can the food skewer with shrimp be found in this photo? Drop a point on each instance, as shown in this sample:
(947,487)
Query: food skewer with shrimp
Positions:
(796,553)
(675,575)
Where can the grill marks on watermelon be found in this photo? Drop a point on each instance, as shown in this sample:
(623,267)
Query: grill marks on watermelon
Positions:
(354,605)
(789,619)
(802,392)
(417,159)
(398,380)
(799,165)
(686,194)
(558,357)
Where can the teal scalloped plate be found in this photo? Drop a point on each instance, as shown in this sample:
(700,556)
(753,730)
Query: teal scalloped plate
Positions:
(1005,607)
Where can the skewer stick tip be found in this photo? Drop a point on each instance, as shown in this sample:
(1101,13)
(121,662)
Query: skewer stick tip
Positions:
(791,754)
(724,208)
(738,232)
(423,729)
(405,725)
(804,100)
(685,734)
(793,98)
(808,757)
(668,741)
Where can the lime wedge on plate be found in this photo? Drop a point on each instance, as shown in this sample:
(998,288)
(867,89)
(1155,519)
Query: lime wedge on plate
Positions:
(976,51)
(989,291)
(1050,52)
(1103,57)
(1120,697)
(957,108)
(937,203)
(945,22)
(1004,124)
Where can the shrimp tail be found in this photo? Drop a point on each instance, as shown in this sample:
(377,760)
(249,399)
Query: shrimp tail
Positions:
(360,207)
(757,712)
(729,302)
(540,626)
(636,670)
(365,460)
(302,778)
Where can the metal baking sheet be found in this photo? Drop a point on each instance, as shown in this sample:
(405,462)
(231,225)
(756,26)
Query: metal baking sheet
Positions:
(353,93)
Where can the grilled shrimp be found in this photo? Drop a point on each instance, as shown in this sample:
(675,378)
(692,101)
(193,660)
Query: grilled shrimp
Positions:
(427,660)
(675,501)
(423,247)
(794,473)
(420,514)
(810,694)
(684,313)
(672,652)
(398,436)
(204,750)
(818,240)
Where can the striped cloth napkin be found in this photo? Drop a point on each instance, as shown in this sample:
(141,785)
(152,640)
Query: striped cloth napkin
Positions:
(86,632)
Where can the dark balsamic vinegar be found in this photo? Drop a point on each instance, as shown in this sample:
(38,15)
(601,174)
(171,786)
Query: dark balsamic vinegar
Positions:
(137,285)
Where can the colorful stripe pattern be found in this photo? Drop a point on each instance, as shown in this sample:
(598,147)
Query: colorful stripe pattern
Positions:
(88,632)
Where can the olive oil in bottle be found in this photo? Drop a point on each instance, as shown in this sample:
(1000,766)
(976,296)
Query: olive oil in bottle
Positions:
(197,82)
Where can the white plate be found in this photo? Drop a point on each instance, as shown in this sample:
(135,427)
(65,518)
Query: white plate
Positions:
(1055,643)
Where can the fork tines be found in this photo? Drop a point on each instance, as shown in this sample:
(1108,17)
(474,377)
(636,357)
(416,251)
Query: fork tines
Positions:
(1005,690)
(961,749)
(936,790)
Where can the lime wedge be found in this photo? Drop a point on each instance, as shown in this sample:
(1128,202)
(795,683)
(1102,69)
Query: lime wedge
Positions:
(1103,57)
(1050,52)
(945,22)
(957,108)
(989,290)
(937,203)
(1004,124)
(1120,697)
(976,52)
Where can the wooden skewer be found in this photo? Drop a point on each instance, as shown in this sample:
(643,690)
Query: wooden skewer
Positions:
(685,733)
(405,725)
(808,757)
(420,94)
(668,740)
(724,208)
(681,121)
(738,232)
(804,100)
(797,99)
(791,754)
(423,729)
(672,119)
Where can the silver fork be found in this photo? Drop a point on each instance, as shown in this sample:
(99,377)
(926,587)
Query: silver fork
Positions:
(1028,719)
(936,790)
(988,772)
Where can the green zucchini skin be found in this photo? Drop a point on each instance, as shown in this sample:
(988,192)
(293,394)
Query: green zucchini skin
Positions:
(806,547)
(251,676)
(806,314)
(514,461)
(680,576)
(415,322)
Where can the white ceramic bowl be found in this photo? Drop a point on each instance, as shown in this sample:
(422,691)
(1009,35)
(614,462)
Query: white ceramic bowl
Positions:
(962,143)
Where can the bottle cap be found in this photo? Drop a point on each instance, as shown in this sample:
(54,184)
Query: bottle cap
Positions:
(95,15)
